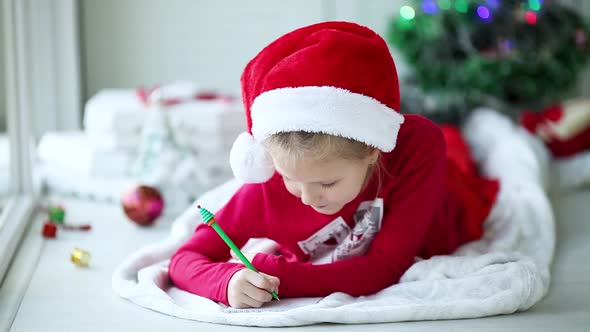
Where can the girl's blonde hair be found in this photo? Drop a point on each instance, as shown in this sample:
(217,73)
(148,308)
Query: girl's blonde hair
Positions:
(295,145)
(291,147)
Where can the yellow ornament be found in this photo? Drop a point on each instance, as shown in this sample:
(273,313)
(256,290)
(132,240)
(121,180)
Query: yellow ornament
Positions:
(80,257)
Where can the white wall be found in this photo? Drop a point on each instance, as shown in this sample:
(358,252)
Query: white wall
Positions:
(127,43)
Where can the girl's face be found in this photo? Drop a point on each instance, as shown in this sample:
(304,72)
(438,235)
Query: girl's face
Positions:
(326,186)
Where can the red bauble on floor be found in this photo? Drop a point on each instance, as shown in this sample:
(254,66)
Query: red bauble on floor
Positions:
(143,204)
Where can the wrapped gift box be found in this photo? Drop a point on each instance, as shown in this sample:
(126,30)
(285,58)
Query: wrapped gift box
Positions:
(121,110)
(114,110)
(71,150)
(109,140)
(115,118)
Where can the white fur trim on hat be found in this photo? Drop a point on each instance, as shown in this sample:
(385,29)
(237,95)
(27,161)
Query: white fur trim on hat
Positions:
(250,161)
(326,109)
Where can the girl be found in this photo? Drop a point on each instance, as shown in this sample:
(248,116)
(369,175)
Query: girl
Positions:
(350,189)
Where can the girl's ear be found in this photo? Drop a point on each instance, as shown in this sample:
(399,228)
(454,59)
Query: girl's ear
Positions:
(374,156)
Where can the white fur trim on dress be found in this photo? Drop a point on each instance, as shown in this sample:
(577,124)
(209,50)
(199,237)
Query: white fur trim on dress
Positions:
(328,110)
(250,161)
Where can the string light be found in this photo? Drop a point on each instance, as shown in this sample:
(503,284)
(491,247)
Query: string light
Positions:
(484,12)
(507,45)
(429,7)
(535,5)
(407,12)
(444,4)
(461,6)
(493,3)
(530,17)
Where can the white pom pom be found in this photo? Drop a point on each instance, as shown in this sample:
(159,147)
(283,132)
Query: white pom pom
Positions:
(250,161)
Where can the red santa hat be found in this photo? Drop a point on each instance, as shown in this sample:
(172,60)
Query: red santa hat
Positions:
(335,78)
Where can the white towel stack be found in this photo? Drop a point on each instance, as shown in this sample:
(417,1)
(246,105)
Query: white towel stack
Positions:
(72,150)
(70,165)
(104,153)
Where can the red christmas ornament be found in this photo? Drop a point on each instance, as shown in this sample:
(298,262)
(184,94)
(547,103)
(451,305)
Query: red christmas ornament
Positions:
(143,205)
(49,230)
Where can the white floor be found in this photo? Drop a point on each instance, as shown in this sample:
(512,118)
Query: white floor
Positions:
(58,296)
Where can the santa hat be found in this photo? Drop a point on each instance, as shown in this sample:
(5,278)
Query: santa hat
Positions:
(335,78)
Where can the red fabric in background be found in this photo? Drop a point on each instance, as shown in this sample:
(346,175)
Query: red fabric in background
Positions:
(462,179)
(559,148)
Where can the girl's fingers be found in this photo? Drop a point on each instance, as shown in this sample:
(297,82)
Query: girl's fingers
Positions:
(247,299)
(260,280)
(276,282)
(257,294)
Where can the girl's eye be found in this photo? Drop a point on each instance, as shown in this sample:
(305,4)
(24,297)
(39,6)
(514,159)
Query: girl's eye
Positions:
(328,185)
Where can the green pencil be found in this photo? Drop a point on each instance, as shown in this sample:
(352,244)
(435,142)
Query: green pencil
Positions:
(209,219)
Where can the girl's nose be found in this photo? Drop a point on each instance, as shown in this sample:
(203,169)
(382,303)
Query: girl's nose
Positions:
(308,197)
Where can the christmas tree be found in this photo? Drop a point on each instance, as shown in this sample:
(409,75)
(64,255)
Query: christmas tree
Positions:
(507,54)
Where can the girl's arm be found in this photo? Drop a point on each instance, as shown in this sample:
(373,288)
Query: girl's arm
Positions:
(200,266)
(409,208)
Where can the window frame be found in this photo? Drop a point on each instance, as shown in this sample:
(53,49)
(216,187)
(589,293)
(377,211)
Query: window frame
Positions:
(43,92)
(16,215)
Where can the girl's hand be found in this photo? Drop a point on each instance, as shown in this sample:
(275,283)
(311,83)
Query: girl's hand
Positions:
(248,289)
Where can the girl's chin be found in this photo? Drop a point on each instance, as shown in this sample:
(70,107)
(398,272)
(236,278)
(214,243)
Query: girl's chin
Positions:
(326,209)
